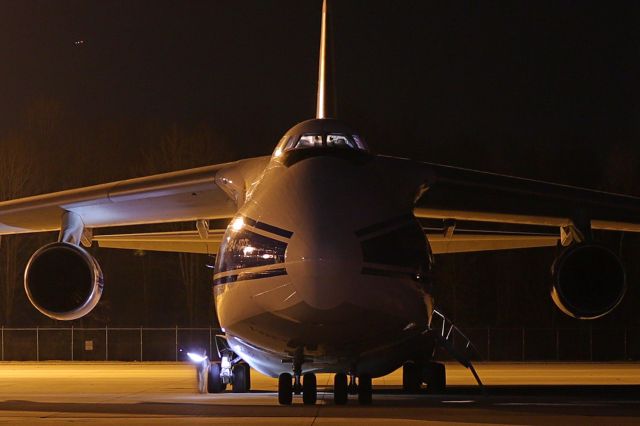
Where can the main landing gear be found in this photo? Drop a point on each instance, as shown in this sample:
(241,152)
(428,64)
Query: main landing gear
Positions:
(342,390)
(288,385)
(223,373)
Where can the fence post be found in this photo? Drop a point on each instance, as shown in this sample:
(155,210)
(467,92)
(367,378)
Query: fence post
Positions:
(71,343)
(37,343)
(106,343)
(140,343)
(176,343)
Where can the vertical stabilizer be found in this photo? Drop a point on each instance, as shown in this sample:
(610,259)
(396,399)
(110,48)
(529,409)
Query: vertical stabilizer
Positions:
(322,90)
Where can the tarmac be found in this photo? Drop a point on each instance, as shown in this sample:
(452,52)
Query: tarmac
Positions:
(54,393)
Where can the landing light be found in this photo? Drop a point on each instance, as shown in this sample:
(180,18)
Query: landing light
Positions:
(237,224)
(196,358)
(277,153)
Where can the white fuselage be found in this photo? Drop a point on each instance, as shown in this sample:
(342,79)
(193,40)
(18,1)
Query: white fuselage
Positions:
(325,257)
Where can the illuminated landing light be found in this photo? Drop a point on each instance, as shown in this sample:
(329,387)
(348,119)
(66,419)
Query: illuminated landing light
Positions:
(277,153)
(267,256)
(196,358)
(248,250)
(237,224)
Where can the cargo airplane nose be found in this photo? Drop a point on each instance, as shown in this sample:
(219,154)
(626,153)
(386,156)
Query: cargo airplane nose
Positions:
(324,263)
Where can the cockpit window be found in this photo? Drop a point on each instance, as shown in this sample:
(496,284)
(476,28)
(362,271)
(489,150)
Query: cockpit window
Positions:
(315,140)
(309,141)
(339,140)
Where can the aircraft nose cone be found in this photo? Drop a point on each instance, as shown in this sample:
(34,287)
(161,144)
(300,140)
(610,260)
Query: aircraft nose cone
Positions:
(324,263)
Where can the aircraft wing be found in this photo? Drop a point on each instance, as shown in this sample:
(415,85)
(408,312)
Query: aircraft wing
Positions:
(456,196)
(186,195)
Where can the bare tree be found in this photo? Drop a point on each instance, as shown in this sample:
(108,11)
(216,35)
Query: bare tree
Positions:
(178,149)
(16,181)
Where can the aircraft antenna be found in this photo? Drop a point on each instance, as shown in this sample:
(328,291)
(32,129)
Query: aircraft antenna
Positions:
(320,110)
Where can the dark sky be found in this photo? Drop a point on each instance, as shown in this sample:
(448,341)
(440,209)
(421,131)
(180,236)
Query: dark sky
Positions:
(478,84)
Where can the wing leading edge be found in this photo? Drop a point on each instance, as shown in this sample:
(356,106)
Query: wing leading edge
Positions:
(462,194)
(170,197)
(454,195)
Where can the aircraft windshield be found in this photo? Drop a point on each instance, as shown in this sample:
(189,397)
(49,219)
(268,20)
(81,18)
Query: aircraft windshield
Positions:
(309,141)
(329,140)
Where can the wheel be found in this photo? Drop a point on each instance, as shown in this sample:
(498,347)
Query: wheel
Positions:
(340,395)
(285,389)
(309,389)
(365,389)
(411,379)
(214,381)
(434,375)
(241,378)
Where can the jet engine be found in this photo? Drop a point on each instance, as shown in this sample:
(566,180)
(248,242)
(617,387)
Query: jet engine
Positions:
(63,281)
(589,281)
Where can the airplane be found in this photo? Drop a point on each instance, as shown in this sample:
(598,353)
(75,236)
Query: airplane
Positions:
(326,264)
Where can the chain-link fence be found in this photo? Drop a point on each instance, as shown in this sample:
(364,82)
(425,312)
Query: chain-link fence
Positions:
(172,344)
(104,344)
(555,344)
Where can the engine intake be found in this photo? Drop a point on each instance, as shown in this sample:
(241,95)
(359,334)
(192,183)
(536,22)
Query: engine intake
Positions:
(63,281)
(589,281)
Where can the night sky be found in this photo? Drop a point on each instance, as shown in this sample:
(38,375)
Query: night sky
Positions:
(546,90)
(445,81)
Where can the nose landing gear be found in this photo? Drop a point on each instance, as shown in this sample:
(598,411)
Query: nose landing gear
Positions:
(289,385)
(353,387)
(342,390)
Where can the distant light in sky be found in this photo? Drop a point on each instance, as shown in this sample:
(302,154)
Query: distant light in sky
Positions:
(79,43)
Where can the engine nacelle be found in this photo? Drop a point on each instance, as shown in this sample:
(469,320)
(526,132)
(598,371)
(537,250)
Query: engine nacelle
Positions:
(63,281)
(589,281)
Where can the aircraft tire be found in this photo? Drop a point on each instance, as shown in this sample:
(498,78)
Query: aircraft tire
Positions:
(214,381)
(285,389)
(411,377)
(434,375)
(365,389)
(241,379)
(340,394)
(309,389)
